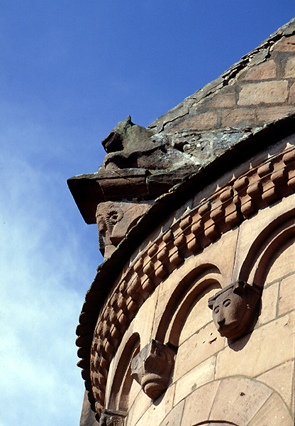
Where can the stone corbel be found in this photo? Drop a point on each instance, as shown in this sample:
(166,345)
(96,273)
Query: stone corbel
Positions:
(152,367)
(114,219)
(235,309)
(112,418)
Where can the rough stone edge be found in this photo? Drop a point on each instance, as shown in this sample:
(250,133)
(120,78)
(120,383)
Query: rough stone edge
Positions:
(254,56)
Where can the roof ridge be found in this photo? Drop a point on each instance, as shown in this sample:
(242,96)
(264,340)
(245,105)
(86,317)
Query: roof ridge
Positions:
(257,55)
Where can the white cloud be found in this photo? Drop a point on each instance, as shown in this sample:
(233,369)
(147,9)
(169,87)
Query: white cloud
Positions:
(43,264)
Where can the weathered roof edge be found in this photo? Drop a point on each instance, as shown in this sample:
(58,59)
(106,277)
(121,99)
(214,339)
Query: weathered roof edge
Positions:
(108,271)
(254,56)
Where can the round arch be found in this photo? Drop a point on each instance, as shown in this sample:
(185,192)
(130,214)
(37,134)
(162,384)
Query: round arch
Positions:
(186,294)
(274,236)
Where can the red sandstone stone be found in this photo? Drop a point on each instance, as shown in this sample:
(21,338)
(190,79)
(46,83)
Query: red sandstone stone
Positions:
(238,117)
(285,45)
(264,71)
(206,120)
(271,92)
(290,68)
(292,94)
(266,115)
(222,100)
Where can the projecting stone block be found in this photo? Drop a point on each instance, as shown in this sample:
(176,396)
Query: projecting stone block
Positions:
(234,309)
(152,367)
(112,418)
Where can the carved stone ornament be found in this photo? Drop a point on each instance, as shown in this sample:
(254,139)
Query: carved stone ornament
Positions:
(152,367)
(112,418)
(201,225)
(114,219)
(235,308)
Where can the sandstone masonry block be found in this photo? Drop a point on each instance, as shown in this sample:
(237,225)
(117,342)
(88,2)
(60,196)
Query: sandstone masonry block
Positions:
(280,379)
(273,413)
(198,404)
(283,265)
(248,232)
(199,316)
(268,114)
(286,44)
(159,410)
(269,304)
(196,349)
(174,417)
(264,71)
(287,295)
(269,92)
(202,121)
(222,99)
(197,377)
(140,405)
(144,319)
(290,68)
(238,117)
(134,391)
(238,400)
(261,352)
(292,94)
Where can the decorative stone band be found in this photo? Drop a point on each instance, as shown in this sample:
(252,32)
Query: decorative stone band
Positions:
(227,207)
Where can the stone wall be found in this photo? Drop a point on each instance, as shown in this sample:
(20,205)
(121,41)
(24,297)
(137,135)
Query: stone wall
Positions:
(191,318)
(162,296)
(259,89)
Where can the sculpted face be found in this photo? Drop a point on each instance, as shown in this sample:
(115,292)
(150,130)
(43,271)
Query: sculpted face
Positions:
(234,308)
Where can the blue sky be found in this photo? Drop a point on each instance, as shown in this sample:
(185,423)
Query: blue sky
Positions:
(70,70)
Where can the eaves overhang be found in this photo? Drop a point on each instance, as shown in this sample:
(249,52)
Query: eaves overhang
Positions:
(259,141)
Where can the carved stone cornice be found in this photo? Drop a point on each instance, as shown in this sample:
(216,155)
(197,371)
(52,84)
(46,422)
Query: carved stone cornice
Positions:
(225,209)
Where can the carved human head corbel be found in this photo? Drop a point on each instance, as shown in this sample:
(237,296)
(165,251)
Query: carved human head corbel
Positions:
(235,309)
(152,367)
